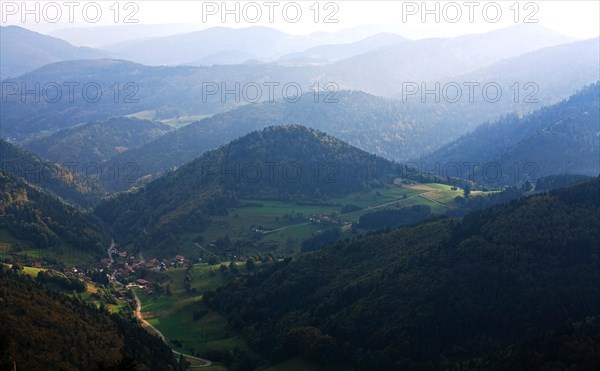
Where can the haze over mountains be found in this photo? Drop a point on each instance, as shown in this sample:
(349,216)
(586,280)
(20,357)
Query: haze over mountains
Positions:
(257,42)
(558,139)
(439,59)
(173,92)
(103,36)
(24,51)
(265,44)
(404,128)
(350,200)
(334,52)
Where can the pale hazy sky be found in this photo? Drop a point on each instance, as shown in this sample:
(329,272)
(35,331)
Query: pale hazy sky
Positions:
(579,19)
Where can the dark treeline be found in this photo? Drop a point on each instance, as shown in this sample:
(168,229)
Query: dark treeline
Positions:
(321,239)
(559,181)
(393,218)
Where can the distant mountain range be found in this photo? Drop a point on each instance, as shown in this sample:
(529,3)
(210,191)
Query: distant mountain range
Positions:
(129,88)
(257,42)
(172,92)
(547,70)
(266,44)
(383,71)
(398,129)
(24,51)
(330,53)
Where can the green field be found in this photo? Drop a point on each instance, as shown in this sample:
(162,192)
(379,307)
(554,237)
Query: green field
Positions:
(284,225)
(173,315)
(33,272)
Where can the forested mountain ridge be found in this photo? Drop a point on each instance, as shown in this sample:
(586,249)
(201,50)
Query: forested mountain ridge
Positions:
(45,222)
(24,50)
(96,142)
(377,125)
(558,139)
(389,128)
(430,295)
(65,182)
(123,88)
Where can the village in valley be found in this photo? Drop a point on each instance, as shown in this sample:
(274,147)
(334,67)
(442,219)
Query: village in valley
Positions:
(121,268)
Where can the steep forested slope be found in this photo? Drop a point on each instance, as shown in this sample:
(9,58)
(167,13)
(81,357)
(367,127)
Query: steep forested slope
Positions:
(65,182)
(558,139)
(45,222)
(50,331)
(429,295)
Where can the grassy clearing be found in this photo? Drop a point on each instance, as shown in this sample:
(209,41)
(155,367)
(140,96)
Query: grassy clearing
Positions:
(31,271)
(174,315)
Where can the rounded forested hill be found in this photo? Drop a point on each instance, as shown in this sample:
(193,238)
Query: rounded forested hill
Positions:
(282,162)
(288,161)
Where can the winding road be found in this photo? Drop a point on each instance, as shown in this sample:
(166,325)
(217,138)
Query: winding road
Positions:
(138,315)
(110,248)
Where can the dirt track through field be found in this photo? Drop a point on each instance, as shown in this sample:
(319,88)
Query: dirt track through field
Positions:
(138,315)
